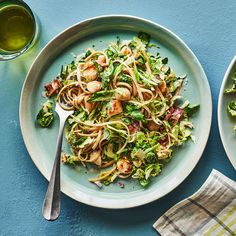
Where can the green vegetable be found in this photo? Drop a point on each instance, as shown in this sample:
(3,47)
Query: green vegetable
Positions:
(152,170)
(134,112)
(107,75)
(150,81)
(45,115)
(175,131)
(124,78)
(87,54)
(137,115)
(232,108)
(104,95)
(66,70)
(165,60)
(81,116)
(139,174)
(141,60)
(151,157)
(127,121)
(128,107)
(233,88)
(156,65)
(144,175)
(191,109)
(68,159)
(112,51)
(79,142)
(175,84)
(137,44)
(144,37)
(144,182)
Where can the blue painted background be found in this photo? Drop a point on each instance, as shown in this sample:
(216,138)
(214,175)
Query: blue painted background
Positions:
(209,29)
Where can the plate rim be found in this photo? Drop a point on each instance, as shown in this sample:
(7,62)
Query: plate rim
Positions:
(220,109)
(98,201)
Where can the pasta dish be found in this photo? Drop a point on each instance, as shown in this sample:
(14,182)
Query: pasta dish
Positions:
(128,113)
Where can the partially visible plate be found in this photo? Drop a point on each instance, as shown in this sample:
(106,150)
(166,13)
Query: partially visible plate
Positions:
(99,31)
(225,121)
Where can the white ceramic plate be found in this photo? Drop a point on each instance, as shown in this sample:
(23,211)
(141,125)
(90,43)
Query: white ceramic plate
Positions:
(225,121)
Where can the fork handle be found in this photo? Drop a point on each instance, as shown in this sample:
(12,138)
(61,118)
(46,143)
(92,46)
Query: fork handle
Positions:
(52,201)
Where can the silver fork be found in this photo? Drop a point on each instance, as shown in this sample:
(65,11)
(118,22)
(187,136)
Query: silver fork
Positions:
(52,201)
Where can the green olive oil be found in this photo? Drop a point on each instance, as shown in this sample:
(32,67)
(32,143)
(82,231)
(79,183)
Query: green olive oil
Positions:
(17,28)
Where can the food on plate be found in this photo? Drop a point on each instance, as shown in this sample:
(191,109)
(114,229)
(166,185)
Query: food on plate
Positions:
(232,104)
(128,113)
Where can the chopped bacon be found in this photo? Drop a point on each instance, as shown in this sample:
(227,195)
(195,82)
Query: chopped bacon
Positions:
(152,126)
(174,114)
(162,86)
(121,184)
(168,93)
(134,127)
(169,113)
(53,87)
(164,141)
(177,114)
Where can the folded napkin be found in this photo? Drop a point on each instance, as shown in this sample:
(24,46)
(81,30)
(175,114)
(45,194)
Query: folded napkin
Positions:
(210,211)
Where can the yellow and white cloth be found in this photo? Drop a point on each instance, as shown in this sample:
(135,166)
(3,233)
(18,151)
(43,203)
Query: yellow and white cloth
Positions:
(211,211)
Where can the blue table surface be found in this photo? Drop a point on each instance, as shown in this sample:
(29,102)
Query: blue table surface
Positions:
(208,28)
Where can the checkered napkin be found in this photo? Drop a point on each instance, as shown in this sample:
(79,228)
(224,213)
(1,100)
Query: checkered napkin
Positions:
(210,211)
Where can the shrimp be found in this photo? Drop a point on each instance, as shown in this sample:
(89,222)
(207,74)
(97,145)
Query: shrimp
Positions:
(124,166)
(126,51)
(102,60)
(90,73)
(115,108)
(94,86)
(122,94)
(88,105)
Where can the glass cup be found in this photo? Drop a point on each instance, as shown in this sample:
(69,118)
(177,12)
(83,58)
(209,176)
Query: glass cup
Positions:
(18,28)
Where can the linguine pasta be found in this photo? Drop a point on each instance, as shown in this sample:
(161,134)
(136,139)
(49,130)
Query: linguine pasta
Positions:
(126,119)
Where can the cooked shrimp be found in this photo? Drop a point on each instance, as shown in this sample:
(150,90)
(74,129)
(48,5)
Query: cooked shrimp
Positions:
(115,108)
(124,166)
(122,94)
(94,86)
(88,105)
(126,51)
(102,60)
(90,73)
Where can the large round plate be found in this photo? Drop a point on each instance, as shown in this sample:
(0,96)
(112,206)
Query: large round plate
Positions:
(225,121)
(100,31)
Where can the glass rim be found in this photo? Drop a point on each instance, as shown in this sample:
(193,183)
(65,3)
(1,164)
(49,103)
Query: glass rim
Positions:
(8,55)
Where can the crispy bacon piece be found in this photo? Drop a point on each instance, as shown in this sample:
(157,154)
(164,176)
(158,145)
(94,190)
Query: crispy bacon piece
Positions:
(164,141)
(177,114)
(152,126)
(134,127)
(174,114)
(53,87)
